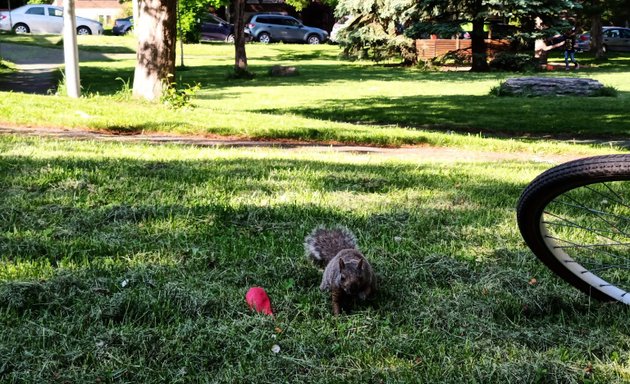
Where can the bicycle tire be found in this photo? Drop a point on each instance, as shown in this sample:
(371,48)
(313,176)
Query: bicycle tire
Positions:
(575,218)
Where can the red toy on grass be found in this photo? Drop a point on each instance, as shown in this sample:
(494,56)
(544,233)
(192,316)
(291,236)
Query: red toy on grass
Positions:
(258,300)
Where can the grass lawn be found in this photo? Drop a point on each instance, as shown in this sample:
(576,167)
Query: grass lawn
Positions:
(331,101)
(5,67)
(129,263)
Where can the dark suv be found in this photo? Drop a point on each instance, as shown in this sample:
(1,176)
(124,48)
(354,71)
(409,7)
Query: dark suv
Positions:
(122,26)
(265,28)
(211,28)
(214,28)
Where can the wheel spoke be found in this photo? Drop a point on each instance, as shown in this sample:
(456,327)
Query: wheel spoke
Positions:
(581,246)
(619,198)
(583,216)
(597,213)
(571,224)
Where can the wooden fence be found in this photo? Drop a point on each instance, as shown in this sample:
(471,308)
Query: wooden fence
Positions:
(430,48)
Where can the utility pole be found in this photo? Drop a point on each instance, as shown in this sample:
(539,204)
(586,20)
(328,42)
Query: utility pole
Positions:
(181,37)
(70,50)
(10,19)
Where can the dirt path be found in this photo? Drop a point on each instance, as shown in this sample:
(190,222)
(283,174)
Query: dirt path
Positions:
(38,73)
(420,153)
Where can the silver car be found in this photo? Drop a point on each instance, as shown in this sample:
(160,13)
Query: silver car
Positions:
(616,39)
(613,39)
(266,28)
(40,18)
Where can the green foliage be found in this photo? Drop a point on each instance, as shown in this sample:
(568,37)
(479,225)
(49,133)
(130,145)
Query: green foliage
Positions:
(458,58)
(422,30)
(500,90)
(444,18)
(377,31)
(5,66)
(190,14)
(126,92)
(301,4)
(514,62)
(178,97)
(606,91)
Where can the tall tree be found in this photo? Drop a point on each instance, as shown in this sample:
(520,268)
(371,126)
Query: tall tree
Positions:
(240,55)
(376,30)
(600,12)
(156,29)
(436,16)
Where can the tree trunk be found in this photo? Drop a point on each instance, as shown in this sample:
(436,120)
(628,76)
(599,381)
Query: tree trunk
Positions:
(478,46)
(156,29)
(596,36)
(240,56)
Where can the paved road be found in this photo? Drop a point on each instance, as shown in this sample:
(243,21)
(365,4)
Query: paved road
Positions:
(36,68)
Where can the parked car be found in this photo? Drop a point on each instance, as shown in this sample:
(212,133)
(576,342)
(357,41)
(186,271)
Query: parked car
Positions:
(340,25)
(616,39)
(211,28)
(214,28)
(613,39)
(266,28)
(122,26)
(583,42)
(41,18)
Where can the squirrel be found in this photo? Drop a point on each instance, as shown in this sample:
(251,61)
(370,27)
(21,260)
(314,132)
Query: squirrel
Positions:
(347,273)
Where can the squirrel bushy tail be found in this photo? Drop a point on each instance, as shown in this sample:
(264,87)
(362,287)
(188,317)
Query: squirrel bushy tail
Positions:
(323,244)
(347,273)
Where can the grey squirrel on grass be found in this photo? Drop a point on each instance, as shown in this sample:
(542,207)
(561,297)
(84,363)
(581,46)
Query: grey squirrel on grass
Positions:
(347,273)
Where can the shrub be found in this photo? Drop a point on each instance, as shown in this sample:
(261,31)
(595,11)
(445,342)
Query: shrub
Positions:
(459,57)
(179,97)
(607,91)
(515,62)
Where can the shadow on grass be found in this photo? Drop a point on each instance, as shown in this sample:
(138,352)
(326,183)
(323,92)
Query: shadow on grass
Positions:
(106,49)
(216,77)
(559,117)
(149,261)
(101,221)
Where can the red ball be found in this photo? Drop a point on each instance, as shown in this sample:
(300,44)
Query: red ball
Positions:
(258,300)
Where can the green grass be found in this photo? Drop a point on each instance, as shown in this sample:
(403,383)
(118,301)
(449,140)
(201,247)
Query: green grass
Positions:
(331,101)
(129,263)
(5,67)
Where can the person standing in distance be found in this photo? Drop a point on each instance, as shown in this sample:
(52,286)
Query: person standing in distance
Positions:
(569,49)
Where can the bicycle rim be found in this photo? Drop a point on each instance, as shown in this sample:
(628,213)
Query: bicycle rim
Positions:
(576,219)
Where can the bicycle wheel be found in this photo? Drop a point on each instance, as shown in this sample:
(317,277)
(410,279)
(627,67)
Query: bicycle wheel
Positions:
(575,218)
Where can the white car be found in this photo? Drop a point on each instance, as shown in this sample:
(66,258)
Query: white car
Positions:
(40,18)
(339,25)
